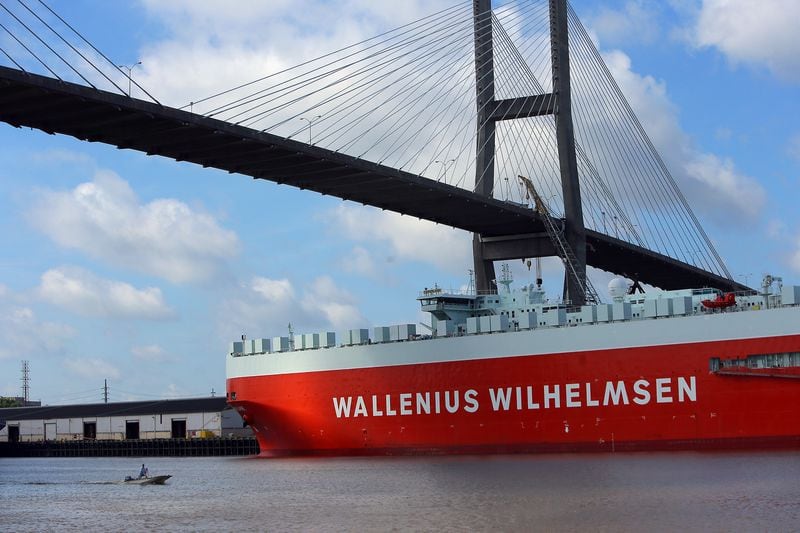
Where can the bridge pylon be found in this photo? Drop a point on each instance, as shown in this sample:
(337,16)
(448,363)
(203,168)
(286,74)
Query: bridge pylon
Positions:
(489,110)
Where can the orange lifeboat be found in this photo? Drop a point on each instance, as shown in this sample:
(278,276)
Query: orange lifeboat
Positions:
(721,301)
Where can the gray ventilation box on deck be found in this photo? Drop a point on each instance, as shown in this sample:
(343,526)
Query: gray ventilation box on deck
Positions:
(359,336)
(664,307)
(587,314)
(445,328)
(790,295)
(298,342)
(498,323)
(381,334)
(311,341)
(261,346)
(473,325)
(650,309)
(327,339)
(280,344)
(237,347)
(248,346)
(682,305)
(622,311)
(604,312)
(402,332)
(485,324)
(407,331)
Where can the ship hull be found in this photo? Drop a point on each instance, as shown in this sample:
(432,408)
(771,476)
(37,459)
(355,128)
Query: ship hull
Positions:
(659,397)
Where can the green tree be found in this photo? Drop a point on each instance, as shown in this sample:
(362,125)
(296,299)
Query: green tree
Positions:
(8,402)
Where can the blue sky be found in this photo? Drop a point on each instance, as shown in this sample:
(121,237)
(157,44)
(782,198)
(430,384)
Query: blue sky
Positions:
(140,270)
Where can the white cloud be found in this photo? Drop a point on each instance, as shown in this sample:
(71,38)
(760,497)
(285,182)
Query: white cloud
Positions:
(776,229)
(151,352)
(210,48)
(779,231)
(793,147)
(62,156)
(274,291)
(105,219)
(794,259)
(82,292)
(91,368)
(761,34)
(335,304)
(636,21)
(712,184)
(22,334)
(174,391)
(723,134)
(264,308)
(408,238)
(359,261)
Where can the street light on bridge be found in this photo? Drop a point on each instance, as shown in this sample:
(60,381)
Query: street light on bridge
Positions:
(310,122)
(130,69)
(444,164)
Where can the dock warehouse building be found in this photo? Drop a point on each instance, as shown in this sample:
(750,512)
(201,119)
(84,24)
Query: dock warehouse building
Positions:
(159,419)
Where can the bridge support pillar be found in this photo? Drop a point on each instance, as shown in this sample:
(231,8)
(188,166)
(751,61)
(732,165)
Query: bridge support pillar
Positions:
(574,230)
(487,106)
(484,155)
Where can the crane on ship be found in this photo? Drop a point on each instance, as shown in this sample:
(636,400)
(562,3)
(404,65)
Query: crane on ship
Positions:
(563,249)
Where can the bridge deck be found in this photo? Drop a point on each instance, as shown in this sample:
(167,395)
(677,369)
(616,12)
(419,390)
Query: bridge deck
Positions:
(88,114)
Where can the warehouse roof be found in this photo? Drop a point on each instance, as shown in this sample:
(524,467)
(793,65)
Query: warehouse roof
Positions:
(150,407)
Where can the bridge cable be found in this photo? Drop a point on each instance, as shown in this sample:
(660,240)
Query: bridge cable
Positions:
(12,59)
(93,47)
(47,45)
(31,52)
(311,61)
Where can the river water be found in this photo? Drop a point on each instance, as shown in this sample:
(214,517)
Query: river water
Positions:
(603,492)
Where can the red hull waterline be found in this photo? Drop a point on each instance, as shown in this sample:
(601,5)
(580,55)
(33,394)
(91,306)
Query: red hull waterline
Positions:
(662,397)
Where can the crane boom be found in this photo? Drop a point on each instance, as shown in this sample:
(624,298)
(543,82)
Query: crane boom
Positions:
(562,246)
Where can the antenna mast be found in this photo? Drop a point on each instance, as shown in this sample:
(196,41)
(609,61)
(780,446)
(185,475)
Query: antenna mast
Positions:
(26,382)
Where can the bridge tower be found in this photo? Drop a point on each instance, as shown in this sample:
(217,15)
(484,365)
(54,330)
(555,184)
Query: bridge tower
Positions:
(489,111)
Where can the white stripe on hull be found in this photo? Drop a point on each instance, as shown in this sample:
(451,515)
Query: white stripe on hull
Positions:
(567,339)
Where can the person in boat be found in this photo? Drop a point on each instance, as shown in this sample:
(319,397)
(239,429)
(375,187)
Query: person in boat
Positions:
(143,472)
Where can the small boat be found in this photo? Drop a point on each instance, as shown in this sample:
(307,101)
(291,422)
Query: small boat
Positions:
(149,480)
(720,302)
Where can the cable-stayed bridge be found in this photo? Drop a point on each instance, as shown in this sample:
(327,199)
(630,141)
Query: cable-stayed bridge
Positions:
(436,119)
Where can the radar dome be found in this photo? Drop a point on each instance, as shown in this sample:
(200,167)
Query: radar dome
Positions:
(618,288)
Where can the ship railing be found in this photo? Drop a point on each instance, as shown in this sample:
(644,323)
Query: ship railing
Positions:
(441,306)
(436,292)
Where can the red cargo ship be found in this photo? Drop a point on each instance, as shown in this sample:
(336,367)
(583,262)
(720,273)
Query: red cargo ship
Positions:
(511,372)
